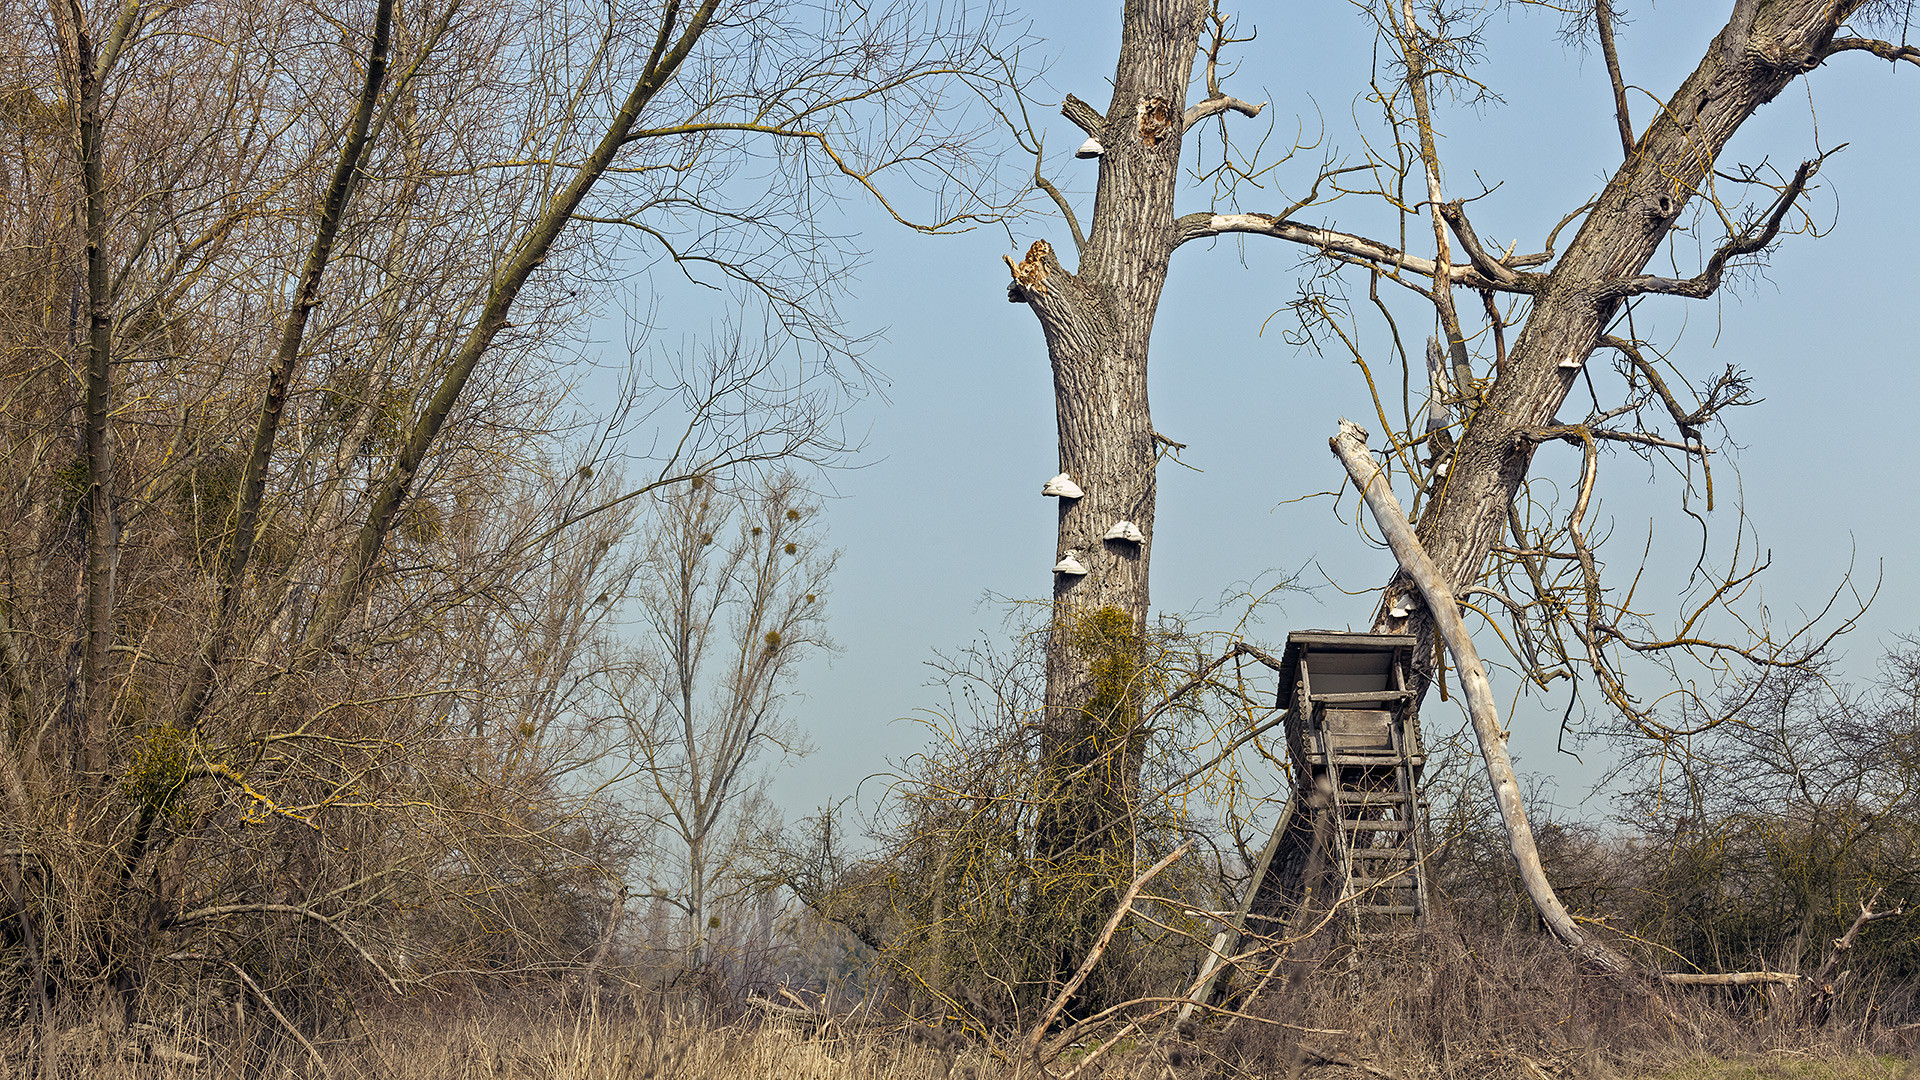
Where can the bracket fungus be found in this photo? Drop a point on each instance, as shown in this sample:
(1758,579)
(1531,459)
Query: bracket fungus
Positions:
(1062,486)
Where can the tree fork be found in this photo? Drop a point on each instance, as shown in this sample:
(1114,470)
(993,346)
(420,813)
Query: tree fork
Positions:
(1745,67)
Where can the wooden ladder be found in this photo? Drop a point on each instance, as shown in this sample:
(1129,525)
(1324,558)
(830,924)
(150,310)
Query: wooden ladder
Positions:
(1378,839)
(1348,853)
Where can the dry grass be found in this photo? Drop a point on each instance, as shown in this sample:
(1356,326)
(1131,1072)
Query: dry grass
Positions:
(1440,1004)
(510,1044)
(1792,1065)
(543,1044)
(636,1049)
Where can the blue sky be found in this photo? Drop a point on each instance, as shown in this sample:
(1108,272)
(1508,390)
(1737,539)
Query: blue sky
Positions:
(943,521)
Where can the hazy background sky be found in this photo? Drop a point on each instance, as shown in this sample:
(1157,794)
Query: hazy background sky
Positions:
(943,522)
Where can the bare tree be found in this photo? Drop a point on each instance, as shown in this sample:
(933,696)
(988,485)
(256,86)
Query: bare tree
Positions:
(1098,321)
(288,464)
(731,598)
(1488,413)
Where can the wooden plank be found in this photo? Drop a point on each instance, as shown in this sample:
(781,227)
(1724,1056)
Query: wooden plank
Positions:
(1346,670)
(1313,646)
(1357,696)
(1371,799)
(1355,743)
(1385,761)
(1342,639)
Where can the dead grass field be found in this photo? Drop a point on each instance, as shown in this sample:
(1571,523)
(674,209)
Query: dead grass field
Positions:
(1443,1004)
(502,1042)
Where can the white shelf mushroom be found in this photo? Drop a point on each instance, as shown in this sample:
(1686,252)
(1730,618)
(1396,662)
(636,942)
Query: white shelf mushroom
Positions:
(1090,149)
(1125,530)
(1070,564)
(1572,362)
(1062,486)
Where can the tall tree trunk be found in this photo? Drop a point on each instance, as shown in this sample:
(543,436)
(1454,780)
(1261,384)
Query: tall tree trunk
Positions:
(1762,49)
(97,582)
(1098,321)
(696,903)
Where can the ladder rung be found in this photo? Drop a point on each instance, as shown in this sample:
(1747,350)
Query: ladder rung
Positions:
(1378,826)
(1353,758)
(1359,696)
(1398,853)
(1387,909)
(1399,881)
(1373,800)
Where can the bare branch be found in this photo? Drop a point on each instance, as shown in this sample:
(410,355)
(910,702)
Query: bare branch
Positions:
(1731,978)
(1885,50)
(1084,116)
(1214,106)
(265,1001)
(1389,260)
(1703,285)
(1066,208)
(1603,14)
(1505,276)
(1099,947)
(330,922)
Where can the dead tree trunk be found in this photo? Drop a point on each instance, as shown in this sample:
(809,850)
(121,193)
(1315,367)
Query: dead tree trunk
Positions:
(86,69)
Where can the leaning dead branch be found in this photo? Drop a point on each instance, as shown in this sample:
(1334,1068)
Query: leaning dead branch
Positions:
(1350,446)
(1820,1004)
(1729,978)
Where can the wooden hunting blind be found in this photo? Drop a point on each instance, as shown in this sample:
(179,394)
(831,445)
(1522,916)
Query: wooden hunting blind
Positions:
(1347,702)
(1351,835)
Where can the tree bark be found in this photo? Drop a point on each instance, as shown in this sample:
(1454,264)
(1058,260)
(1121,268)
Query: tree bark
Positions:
(1097,322)
(96,448)
(1745,67)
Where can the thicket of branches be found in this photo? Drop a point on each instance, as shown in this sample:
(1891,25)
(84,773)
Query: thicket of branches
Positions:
(312,679)
(309,555)
(1776,835)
